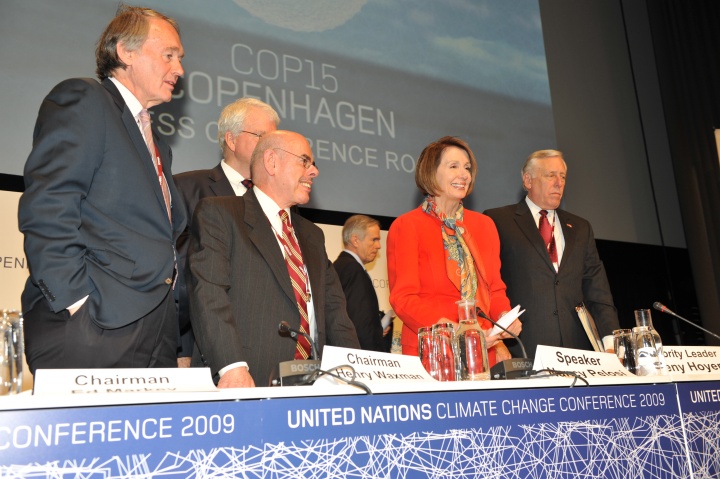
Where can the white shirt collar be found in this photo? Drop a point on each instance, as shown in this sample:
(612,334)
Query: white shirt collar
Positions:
(131,101)
(535,210)
(271,209)
(234,178)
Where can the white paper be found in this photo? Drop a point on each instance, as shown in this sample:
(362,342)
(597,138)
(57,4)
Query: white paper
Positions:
(506,320)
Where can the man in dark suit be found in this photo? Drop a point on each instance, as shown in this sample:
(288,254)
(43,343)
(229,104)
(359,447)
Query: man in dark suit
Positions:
(243,252)
(240,126)
(361,238)
(550,277)
(97,210)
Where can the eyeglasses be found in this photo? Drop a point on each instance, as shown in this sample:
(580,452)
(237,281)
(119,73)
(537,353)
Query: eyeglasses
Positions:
(307,162)
(251,133)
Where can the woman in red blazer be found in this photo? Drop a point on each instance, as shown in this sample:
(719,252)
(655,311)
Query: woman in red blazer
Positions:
(440,252)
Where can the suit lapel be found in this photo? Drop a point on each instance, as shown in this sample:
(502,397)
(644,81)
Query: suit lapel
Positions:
(143,154)
(568,235)
(526,223)
(263,237)
(219,184)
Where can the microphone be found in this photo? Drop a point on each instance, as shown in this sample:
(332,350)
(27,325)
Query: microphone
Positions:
(297,372)
(284,327)
(664,309)
(509,368)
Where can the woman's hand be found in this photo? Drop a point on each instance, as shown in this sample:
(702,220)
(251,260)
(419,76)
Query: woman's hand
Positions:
(491,341)
(515,327)
(501,352)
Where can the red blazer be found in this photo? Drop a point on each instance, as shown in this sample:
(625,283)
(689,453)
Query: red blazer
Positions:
(420,291)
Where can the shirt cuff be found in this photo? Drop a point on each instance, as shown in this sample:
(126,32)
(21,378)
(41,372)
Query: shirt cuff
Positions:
(76,305)
(239,364)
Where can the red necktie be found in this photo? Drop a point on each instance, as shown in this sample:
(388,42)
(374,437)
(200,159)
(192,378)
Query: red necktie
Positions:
(298,278)
(144,116)
(546,231)
(247,183)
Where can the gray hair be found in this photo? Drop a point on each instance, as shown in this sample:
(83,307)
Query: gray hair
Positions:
(529,166)
(233,117)
(357,225)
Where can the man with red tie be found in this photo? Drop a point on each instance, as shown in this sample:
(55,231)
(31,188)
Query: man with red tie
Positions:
(550,263)
(254,262)
(98,211)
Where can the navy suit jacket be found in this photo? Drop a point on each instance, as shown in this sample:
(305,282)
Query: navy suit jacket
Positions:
(362,302)
(550,297)
(240,288)
(93,213)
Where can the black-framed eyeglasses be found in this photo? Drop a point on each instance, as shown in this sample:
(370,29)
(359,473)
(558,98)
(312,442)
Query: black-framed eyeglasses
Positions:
(307,162)
(251,133)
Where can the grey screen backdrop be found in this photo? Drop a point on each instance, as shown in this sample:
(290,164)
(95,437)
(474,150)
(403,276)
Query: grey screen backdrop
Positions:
(368,82)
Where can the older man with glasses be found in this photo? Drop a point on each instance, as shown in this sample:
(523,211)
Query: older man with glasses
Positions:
(240,125)
(254,262)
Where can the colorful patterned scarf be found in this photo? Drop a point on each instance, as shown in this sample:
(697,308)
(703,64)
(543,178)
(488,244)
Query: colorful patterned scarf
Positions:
(463,262)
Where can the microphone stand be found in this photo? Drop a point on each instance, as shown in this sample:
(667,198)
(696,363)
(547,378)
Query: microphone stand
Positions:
(664,309)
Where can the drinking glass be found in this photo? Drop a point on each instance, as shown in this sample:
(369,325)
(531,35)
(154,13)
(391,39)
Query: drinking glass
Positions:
(443,339)
(426,351)
(11,360)
(624,344)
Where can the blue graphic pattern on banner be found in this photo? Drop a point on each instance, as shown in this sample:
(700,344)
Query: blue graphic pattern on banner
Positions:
(700,406)
(611,432)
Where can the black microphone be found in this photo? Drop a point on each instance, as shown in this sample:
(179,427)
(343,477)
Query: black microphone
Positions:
(284,327)
(509,368)
(664,309)
(297,372)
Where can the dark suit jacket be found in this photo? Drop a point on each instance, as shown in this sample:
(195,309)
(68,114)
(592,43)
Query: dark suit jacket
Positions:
(193,186)
(93,213)
(550,298)
(362,302)
(240,288)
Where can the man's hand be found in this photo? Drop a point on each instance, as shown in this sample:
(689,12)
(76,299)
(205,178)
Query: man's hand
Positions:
(237,378)
(184,362)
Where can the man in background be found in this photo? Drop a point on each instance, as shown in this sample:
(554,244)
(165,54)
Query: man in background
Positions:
(240,125)
(254,263)
(98,210)
(361,239)
(550,263)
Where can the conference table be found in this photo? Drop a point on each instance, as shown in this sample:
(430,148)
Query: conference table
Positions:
(666,427)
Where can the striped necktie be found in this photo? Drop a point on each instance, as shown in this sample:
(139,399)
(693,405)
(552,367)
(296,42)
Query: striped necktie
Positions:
(144,116)
(298,278)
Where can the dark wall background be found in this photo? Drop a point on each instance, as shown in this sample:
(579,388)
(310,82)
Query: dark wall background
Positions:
(637,80)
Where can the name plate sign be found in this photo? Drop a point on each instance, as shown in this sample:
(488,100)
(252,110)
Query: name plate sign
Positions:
(370,366)
(587,364)
(693,360)
(111,381)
